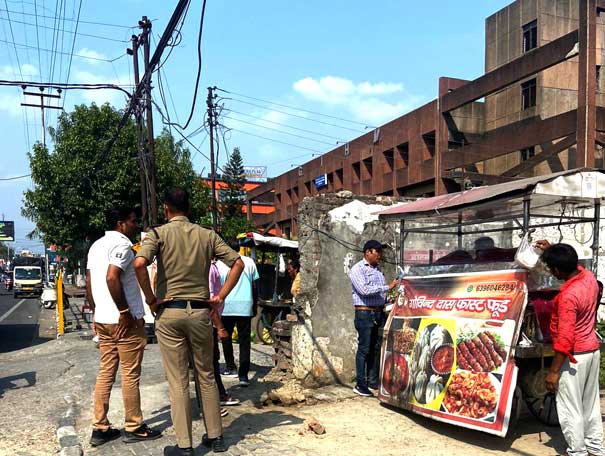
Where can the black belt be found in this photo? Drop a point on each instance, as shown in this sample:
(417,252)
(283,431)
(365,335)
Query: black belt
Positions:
(182,304)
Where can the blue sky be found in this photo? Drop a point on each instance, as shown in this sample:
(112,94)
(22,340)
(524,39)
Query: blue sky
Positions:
(362,63)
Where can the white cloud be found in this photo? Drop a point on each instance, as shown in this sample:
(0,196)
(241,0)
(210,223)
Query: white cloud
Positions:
(10,104)
(92,54)
(12,71)
(363,100)
(114,97)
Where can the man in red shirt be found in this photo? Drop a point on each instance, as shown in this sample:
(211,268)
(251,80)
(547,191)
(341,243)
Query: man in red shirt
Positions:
(574,372)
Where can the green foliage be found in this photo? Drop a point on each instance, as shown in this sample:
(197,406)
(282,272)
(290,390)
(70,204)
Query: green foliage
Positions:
(235,195)
(174,168)
(231,227)
(233,221)
(76,183)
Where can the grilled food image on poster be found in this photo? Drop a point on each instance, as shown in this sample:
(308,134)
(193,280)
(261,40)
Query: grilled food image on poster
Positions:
(480,351)
(473,395)
(431,362)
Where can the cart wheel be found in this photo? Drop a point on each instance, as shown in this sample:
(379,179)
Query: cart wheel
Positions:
(263,328)
(544,409)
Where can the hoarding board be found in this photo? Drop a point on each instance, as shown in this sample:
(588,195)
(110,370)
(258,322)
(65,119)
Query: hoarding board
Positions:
(449,346)
(255,173)
(7,230)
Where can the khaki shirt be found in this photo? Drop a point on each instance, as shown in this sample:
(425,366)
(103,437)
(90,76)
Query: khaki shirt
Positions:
(184,252)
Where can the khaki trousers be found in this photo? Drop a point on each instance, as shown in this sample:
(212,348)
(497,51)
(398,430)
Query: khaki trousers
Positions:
(579,407)
(185,334)
(127,353)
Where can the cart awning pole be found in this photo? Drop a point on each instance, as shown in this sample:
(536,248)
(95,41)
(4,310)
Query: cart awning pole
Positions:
(526,205)
(595,237)
(459,231)
(401,241)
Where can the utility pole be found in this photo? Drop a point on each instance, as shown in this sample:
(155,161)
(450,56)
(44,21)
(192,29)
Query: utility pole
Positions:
(211,123)
(140,144)
(42,106)
(145,24)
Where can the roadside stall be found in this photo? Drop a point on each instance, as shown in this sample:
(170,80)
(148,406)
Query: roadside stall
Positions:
(467,337)
(275,300)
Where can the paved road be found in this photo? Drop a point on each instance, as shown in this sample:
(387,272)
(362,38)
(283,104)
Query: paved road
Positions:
(19,322)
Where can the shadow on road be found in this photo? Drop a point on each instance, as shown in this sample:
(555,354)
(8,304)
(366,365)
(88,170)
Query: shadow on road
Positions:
(16,337)
(253,423)
(527,425)
(24,380)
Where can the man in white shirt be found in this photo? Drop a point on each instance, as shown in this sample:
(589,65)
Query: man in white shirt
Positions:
(240,308)
(113,292)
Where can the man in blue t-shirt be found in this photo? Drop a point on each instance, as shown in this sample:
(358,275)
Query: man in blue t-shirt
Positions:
(240,308)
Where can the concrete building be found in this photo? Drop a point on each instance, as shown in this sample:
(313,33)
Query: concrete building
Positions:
(537,109)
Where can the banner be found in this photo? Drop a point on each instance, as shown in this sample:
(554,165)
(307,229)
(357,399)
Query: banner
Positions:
(7,230)
(449,344)
(255,173)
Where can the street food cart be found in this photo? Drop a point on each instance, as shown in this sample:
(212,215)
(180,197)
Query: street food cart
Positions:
(275,299)
(467,337)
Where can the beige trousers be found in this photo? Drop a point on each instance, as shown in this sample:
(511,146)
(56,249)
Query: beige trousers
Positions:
(184,334)
(127,353)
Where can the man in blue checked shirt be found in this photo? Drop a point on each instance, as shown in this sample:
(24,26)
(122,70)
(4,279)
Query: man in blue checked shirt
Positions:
(369,296)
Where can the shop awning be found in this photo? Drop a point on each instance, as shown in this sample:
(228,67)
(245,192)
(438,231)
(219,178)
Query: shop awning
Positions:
(580,184)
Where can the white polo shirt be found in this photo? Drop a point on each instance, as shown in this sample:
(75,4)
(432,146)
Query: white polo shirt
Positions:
(116,249)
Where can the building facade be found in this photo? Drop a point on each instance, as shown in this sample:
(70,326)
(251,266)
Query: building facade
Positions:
(537,109)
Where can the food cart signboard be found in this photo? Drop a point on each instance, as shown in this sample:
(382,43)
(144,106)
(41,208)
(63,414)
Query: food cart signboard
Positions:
(448,351)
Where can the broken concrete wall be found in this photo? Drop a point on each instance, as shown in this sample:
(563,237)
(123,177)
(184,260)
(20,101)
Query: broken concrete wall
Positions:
(332,231)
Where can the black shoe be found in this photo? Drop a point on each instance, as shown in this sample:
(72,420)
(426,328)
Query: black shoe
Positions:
(362,391)
(143,432)
(178,451)
(100,437)
(217,444)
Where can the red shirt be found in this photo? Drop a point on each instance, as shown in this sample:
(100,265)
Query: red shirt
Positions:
(572,324)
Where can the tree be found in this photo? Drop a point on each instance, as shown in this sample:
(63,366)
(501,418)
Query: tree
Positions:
(233,220)
(234,196)
(174,167)
(76,183)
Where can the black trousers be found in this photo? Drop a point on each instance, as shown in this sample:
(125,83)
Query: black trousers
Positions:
(243,325)
(215,365)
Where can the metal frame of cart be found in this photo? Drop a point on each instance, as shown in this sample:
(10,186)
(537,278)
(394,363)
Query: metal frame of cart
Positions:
(274,307)
(569,198)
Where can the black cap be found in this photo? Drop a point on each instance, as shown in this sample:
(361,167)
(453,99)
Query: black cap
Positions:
(373,244)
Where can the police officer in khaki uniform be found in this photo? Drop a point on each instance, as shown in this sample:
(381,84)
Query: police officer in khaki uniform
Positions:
(182,306)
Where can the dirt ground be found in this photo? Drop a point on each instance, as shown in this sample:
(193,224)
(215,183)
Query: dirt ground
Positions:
(362,426)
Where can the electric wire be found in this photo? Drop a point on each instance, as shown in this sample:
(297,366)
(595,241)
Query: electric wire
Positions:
(271,139)
(53,56)
(286,125)
(281,131)
(82,21)
(66,53)
(14,178)
(73,45)
(13,39)
(70,32)
(199,67)
(295,115)
(296,108)
(62,40)
(37,40)
(63,86)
